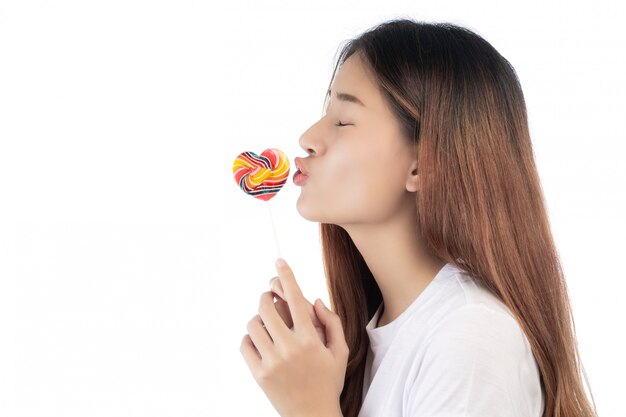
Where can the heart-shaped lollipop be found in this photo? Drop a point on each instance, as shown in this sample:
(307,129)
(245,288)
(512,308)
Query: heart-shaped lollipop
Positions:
(261,176)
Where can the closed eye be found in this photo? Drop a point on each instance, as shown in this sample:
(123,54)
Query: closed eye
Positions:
(341,124)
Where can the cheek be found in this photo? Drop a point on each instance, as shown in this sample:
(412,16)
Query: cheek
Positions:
(376,185)
(349,171)
(363,182)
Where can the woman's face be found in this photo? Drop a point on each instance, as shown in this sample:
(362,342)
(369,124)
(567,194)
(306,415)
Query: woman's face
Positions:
(359,173)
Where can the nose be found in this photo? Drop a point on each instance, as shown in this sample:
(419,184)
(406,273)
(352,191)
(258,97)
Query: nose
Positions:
(311,140)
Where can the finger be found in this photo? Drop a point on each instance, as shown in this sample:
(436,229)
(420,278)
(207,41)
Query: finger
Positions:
(249,351)
(261,339)
(311,310)
(272,320)
(278,289)
(294,297)
(251,356)
(335,337)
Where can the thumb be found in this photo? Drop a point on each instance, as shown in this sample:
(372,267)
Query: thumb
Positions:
(335,339)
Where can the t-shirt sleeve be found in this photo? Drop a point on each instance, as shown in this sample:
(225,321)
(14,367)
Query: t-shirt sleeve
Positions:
(477,363)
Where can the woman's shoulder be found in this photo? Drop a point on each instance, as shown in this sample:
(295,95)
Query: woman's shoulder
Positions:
(478,323)
(480,353)
(474,296)
(478,339)
(466,309)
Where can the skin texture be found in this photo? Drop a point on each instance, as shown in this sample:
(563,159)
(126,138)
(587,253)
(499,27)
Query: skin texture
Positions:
(362,177)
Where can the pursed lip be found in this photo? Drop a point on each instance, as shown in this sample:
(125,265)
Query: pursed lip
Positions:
(299,162)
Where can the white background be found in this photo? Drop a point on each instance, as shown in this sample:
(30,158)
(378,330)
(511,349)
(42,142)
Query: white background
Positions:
(130,261)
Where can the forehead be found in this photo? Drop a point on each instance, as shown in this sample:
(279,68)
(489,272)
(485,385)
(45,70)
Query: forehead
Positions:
(354,77)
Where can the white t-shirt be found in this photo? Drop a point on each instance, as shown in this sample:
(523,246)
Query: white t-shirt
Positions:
(455,351)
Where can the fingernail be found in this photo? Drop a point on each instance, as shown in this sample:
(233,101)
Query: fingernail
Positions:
(280,263)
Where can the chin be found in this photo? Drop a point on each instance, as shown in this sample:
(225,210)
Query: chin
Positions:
(307,212)
(312,210)
(316,215)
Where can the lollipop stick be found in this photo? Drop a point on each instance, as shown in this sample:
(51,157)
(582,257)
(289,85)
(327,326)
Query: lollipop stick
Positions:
(274,228)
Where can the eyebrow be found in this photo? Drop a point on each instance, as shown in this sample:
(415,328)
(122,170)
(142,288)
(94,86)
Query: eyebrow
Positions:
(346,97)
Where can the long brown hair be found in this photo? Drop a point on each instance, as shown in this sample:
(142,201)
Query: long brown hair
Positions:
(480,206)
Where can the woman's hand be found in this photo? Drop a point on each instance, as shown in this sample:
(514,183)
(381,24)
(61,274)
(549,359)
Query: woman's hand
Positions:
(299,374)
(283,310)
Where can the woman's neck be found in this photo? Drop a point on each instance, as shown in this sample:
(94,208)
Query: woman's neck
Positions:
(398,260)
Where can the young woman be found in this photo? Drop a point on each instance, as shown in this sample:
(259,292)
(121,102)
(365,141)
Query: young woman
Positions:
(448,298)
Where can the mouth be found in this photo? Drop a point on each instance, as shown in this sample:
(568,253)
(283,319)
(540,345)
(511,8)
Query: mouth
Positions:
(299,165)
(299,178)
(301,175)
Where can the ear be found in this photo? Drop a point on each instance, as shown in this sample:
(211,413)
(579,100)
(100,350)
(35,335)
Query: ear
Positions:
(412,178)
